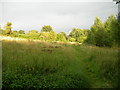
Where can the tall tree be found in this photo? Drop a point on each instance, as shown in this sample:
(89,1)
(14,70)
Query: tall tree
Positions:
(33,34)
(112,27)
(60,37)
(64,34)
(46,28)
(52,36)
(118,32)
(97,25)
(75,33)
(97,34)
(8,28)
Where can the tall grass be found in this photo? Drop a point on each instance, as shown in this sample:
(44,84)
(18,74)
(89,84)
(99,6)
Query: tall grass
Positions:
(103,63)
(51,65)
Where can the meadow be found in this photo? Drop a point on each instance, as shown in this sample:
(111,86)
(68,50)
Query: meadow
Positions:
(28,63)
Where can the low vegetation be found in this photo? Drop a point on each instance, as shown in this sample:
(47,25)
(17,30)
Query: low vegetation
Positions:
(50,65)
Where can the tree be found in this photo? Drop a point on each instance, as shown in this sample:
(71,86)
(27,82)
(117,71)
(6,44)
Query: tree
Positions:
(64,34)
(33,34)
(8,28)
(52,36)
(48,36)
(71,39)
(118,32)
(80,35)
(46,28)
(95,32)
(112,28)
(0,30)
(44,36)
(104,34)
(33,31)
(14,33)
(60,37)
(21,32)
(101,38)
(81,39)
(97,25)
(74,33)
(90,38)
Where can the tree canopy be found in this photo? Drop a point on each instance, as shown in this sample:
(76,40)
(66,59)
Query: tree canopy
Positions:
(46,28)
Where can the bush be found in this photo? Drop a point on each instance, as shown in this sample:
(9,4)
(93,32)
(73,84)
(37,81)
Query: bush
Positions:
(60,37)
(71,39)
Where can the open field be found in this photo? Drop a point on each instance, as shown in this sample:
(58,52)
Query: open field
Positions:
(51,65)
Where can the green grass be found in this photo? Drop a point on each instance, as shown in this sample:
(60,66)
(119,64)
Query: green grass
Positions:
(50,65)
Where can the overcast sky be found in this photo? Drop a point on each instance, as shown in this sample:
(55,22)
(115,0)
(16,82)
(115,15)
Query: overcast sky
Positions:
(62,16)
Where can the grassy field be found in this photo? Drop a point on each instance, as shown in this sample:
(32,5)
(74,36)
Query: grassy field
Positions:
(50,65)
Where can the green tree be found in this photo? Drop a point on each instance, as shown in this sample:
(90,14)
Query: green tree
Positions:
(112,28)
(64,34)
(101,38)
(8,28)
(96,32)
(104,34)
(52,36)
(98,24)
(21,32)
(44,36)
(14,33)
(1,30)
(80,35)
(71,39)
(33,34)
(48,36)
(81,39)
(46,28)
(60,37)
(33,31)
(118,32)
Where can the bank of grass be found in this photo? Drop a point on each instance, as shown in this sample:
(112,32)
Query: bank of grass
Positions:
(102,64)
(51,65)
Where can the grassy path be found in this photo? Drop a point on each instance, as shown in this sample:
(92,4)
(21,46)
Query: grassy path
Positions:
(88,70)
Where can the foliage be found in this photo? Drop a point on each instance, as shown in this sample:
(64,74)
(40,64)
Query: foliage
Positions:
(81,39)
(48,36)
(33,34)
(104,34)
(46,28)
(8,28)
(71,39)
(14,34)
(52,36)
(79,34)
(64,34)
(21,32)
(118,32)
(1,31)
(60,37)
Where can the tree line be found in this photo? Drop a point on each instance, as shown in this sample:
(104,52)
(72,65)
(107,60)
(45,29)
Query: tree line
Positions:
(100,34)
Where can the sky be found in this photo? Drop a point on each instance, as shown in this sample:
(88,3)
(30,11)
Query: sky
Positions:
(62,16)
